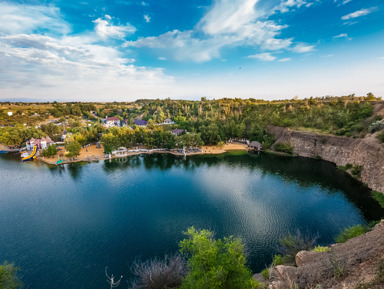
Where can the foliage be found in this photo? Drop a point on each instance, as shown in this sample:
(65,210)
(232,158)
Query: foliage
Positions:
(73,147)
(346,167)
(15,136)
(159,274)
(214,264)
(356,170)
(320,249)
(376,126)
(339,268)
(351,232)
(50,151)
(292,244)
(380,136)
(283,147)
(8,277)
(278,260)
(265,274)
(378,197)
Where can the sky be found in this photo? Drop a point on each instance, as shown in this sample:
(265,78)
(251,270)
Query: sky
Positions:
(123,50)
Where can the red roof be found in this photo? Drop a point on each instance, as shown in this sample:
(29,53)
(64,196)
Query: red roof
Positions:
(113,118)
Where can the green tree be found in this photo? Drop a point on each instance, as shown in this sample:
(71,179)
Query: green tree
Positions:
(73,147)
(8,277)
(214,264)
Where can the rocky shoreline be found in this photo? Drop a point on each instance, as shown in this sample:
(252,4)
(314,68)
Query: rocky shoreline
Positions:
(367,153)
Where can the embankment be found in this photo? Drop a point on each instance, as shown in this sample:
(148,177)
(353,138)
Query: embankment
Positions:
(367,152)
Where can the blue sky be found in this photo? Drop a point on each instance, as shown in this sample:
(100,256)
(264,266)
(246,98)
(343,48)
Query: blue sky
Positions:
(126,49)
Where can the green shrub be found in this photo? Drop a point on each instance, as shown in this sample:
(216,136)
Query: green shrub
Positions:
(265,274)
(278,260)
(283,147)
(8,277)
(320,249)
(376,126)
(380,136)
(356,170)
(378,197)
(214,263)
(346,167)
(351,232)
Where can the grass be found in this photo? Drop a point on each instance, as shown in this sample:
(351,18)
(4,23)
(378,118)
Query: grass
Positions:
(379,197)
(351,232)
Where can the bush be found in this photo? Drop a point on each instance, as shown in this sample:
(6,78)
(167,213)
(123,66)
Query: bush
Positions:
(278,260)
(378,197)
(214,263)
(159,274)
(380,136)
(376,126)
(320,249)
(351,232)
(283,147)
(356,170)
(8,277)
(339,267)
(265,274)
(292,244)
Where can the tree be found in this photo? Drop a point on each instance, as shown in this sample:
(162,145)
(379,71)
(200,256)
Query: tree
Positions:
(51,150)
(73,147)
(214,264)
(8,277)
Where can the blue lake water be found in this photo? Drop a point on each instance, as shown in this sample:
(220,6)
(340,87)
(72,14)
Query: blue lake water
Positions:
(63,225)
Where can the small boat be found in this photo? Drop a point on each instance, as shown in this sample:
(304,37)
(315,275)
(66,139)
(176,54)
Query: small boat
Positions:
(3,152)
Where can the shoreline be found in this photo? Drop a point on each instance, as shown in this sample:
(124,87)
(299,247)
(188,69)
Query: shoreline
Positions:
(92,154)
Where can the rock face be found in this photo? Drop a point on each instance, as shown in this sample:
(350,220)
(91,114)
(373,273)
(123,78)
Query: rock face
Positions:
(343,266)
(366,152)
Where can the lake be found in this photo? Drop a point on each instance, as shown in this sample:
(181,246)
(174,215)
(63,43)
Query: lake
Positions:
(63,225)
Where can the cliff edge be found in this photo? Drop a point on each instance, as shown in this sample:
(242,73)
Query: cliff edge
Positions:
(358,263)
(366,152)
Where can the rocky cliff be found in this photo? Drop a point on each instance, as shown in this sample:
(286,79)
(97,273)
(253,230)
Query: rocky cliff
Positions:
(366,152)
(356,264)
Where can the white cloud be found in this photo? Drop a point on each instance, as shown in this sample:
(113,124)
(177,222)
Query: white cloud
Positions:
(303,48)
(162,58)
(358,13)
(235,23)
(30,18)
(147,18)
(105,29)
(286,5)
(285,59)
(66,65)
(342,35)
(263,56)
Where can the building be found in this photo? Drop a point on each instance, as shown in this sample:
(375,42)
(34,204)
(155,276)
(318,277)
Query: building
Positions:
(177,131)
(41,143)
(112,121)
(121,152)
(255,145)
(168,121)
(140,122)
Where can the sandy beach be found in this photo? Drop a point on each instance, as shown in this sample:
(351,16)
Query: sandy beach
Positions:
(98,153)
